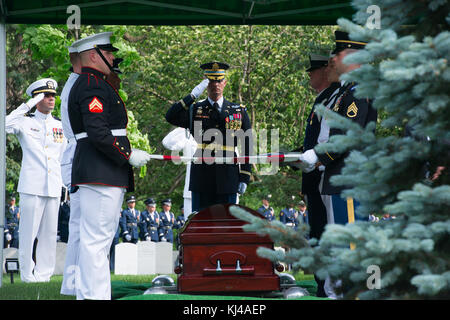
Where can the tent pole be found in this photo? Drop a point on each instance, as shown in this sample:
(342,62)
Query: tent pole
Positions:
(2,137)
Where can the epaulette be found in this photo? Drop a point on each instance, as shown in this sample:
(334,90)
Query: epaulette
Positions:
(29,114)
(243,106)
(56,118)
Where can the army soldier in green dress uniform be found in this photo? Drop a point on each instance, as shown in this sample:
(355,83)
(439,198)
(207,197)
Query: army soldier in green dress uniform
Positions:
(216,125)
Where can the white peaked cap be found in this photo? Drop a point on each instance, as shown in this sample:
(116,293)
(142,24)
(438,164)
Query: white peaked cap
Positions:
(100,40)
(42,85)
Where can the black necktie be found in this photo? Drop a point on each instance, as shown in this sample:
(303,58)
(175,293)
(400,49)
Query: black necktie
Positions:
(216,106)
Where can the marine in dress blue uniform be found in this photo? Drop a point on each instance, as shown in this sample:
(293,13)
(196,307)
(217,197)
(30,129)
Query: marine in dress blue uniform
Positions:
(266,210)
(102,163)
(12,217)
(131,218)
(214,183)
(166,222)
(149,222)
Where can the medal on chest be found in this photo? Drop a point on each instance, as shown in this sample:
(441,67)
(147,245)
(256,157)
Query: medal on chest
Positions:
(233,121)
(58,135)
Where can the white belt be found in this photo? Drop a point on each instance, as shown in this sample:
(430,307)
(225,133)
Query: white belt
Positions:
(290,224)
(115,132)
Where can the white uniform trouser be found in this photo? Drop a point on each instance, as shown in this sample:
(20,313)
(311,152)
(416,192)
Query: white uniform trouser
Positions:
(99,218)
(38,219)
(73,246)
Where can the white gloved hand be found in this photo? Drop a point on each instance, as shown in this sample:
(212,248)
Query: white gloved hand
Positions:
(127,237)
(147,238)
(198,90)
(138,158)
(308,160)
(163,239)
(34,101)
(242,187)
(8,237)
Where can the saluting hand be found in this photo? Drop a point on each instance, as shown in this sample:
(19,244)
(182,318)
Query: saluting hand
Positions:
(198,90)
(34,101)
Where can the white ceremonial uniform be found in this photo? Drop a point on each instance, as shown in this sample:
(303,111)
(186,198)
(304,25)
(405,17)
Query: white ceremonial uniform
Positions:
(42,141)
(73,243)
(67,158)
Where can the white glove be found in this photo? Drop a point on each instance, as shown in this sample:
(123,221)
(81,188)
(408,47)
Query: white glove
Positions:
(163,239)
(34,101)
(242,187)
(8,237)
(308,160)
(198,90)
(147,238)
(138,158)
(127,237)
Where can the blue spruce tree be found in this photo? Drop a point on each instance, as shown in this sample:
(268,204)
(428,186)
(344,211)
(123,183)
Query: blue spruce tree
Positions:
(402,169)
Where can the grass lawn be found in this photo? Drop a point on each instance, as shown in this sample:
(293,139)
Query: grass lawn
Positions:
(50,290)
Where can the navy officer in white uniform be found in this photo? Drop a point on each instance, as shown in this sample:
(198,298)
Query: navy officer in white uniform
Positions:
(42,141)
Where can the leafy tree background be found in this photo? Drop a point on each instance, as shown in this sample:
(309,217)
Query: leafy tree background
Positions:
(161,65)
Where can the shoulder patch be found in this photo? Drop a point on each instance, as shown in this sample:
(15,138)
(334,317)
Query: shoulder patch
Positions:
(95,106)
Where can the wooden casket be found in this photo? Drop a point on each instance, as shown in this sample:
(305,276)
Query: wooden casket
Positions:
(217,255)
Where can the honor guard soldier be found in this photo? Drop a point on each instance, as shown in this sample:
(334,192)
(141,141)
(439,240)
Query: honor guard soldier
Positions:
(131,217)
(42,141)
(289,215)
(166,222)
(359,110)
(265,209)
(150,222)
(102,163)
(326,94)
(12,217)
(67,288)
(217,125)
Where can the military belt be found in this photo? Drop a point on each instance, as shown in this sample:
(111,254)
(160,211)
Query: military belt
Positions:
(153,228)
(212,146)
(10,225)
(114,132)
(131,224)
(290,224)
(167,227)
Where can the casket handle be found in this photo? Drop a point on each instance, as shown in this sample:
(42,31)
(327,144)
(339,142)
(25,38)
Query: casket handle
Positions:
(238,270)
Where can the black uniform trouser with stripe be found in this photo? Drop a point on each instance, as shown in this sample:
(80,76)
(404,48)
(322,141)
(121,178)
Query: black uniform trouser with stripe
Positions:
(317,218)
(317,214)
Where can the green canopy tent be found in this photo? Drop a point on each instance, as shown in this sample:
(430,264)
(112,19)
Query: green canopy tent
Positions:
(156,12)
